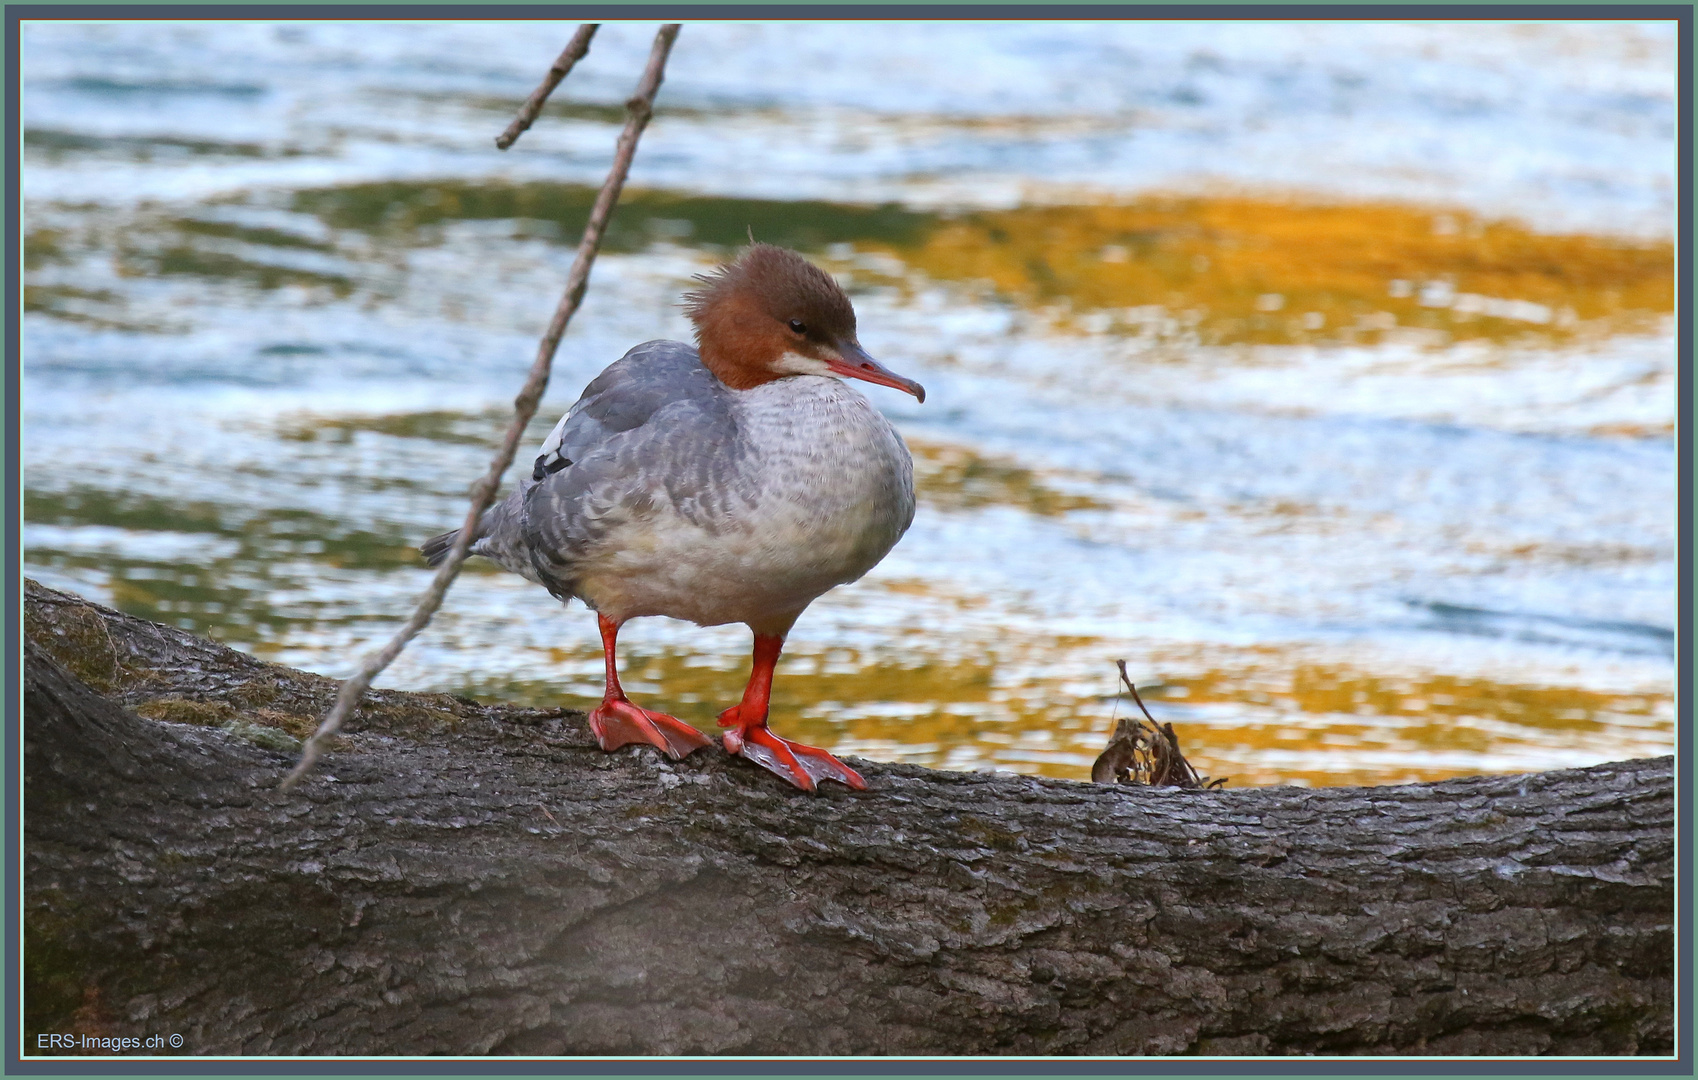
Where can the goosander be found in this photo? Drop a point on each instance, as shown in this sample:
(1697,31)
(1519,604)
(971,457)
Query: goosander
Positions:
(734,482)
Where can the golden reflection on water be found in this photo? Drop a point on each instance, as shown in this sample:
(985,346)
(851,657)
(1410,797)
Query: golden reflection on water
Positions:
(1328,721)
(1279,721)
(1237,269)
(1212,269)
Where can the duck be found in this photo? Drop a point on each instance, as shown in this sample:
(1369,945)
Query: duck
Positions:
(733,481)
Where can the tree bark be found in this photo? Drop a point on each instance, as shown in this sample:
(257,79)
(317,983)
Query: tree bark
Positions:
(469,879)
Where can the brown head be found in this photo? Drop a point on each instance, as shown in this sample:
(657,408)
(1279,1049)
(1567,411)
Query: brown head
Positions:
(772,314)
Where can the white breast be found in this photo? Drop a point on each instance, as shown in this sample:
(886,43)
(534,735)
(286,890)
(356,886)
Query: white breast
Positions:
(826,489)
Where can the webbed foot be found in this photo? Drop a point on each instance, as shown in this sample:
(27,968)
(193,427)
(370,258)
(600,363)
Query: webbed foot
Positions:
(617,722)
(802,765)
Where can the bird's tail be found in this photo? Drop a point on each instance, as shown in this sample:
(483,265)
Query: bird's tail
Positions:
(436,548)
(500,519)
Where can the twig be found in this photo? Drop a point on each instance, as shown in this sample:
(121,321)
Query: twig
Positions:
(638,111)
(1136,755)
(574,51)
(1121,664)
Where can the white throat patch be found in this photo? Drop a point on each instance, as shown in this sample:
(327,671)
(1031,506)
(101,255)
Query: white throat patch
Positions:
(794,363)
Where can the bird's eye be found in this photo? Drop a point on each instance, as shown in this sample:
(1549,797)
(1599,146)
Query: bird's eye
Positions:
(796,325)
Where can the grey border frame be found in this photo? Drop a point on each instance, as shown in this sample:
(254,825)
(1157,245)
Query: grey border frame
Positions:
(14,1064)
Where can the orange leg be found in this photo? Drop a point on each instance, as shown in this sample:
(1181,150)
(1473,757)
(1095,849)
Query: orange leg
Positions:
(617,722)
(803,766)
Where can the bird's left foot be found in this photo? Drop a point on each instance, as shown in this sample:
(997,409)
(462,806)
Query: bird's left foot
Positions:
(617,722)
(804,766)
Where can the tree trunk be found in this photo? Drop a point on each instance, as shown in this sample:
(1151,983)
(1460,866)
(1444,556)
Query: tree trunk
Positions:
(469,879)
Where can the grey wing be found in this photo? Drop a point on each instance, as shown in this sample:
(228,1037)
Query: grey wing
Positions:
(626,395)
(653,434)
(638,393)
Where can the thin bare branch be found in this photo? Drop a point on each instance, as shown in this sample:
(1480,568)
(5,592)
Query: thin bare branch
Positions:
(1121,664)
(575,50)
(638,112)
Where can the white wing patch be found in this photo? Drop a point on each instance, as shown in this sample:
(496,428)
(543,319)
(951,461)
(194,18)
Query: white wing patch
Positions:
(548,458)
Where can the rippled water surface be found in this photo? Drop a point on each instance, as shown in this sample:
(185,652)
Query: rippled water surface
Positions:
(1323,372)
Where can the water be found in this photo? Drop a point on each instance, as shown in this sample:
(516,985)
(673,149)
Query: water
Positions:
(1323,372)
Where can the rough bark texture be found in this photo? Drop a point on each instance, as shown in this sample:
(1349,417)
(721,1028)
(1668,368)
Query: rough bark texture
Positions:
(461,878)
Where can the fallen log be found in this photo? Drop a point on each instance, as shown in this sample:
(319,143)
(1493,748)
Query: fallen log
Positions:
(470,879)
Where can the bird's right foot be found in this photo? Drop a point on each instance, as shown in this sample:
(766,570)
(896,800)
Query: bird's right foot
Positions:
(617,722)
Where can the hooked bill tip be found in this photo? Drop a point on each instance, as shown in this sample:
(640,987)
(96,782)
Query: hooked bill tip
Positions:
(854,363)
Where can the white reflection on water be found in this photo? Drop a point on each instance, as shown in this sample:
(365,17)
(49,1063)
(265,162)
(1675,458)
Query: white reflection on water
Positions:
(253,455)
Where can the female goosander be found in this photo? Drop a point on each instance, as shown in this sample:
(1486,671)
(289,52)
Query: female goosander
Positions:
(732,482)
